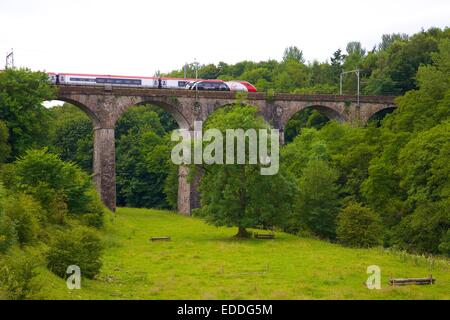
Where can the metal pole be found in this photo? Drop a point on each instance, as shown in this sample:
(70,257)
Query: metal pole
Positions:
(9,59)
(357,73)
(196,77)
(340,84)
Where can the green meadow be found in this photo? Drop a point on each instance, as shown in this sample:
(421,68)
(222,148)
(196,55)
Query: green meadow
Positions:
(205,262)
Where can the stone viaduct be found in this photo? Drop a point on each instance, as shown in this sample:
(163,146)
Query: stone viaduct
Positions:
(105,105)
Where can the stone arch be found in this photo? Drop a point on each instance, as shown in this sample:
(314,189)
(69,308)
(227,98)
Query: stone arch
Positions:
(331,112)
(182,121)
(94,118)
(381,113)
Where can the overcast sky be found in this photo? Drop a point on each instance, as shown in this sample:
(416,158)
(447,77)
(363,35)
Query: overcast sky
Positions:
(133,37)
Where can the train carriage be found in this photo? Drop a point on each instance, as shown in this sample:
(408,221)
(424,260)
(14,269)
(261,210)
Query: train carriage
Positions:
(149,82)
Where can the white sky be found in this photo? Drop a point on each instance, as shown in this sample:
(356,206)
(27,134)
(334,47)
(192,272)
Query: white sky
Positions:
(133,37)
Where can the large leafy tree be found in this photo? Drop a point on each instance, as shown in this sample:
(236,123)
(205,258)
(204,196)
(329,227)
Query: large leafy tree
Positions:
(22,93)
(318,199)
(238,195)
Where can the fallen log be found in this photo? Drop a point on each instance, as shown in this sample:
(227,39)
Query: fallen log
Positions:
(412,281)
(160,239)
(264,236)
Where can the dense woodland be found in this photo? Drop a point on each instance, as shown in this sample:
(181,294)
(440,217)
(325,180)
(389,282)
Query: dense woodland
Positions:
(386,183)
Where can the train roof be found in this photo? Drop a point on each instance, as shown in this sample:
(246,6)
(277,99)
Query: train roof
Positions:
(105,75)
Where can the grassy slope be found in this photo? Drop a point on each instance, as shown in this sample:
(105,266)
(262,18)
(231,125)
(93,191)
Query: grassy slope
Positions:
(201,262)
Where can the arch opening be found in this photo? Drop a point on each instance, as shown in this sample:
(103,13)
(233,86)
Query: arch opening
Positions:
(71,134)
(169,109)
(376,118)
(314,116)
(145,177)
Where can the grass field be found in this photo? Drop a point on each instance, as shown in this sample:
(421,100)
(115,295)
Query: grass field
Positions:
(203,262)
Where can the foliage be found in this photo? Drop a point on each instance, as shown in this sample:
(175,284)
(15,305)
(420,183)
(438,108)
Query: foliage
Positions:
(18,275)
(78,246)
(5,148)
(389,69)
(307,118)
(21,95)
(293,53)
(238,195)
(359,226)
(72,136)
(8,234)
(425,230)
(143,157)
(24,213)
(317,202)
(54,183)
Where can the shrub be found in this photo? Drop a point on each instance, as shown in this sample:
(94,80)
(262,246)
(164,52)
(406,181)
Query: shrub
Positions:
(61,187)
(95,211)
(18,275)
(359,226)
(444,247)
(425,230)
(8,234)
(24,212)
(78,246)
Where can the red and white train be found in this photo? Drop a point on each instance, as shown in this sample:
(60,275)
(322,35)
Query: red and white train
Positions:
(150,82)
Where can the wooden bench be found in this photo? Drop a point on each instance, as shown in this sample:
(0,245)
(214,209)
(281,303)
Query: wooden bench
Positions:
(416,281)
(160,239)
(264,236)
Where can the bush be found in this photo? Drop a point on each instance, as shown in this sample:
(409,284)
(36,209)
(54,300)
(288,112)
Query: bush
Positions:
(78,246)
(18,275)
(95,211)
(444,247)
(8,234)
(359,227)
(25,213)
(425,230)
(61,187)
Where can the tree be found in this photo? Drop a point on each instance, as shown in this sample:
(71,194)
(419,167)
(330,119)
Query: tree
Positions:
(21,95)
(355,48)
(293,53)
(238,195)
(5,149)
(337,61)
(388,39)
(359,226)
(425,230)
(317,202)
